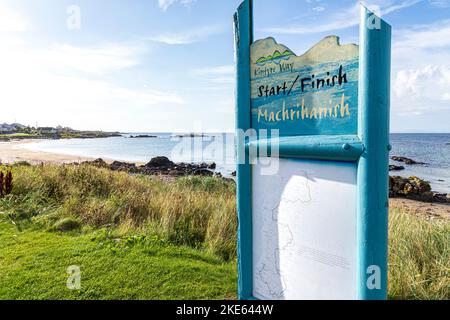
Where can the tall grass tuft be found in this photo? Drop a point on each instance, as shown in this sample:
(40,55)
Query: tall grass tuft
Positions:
(419,258)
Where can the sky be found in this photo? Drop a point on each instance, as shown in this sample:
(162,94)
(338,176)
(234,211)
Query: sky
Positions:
(168,65)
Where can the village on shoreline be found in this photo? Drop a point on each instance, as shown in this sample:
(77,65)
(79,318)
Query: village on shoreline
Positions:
(17,131)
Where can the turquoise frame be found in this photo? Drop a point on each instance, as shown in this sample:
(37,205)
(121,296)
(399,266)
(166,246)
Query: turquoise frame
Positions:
(369,149)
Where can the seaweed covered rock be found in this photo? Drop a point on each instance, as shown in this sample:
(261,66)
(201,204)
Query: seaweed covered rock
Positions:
(411,188)
(406,160)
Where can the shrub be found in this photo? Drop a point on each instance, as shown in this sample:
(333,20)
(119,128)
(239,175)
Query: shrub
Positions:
(67,224)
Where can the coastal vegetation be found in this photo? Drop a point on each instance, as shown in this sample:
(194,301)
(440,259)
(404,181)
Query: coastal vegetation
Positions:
(137,236)
(17,131)
(419,257)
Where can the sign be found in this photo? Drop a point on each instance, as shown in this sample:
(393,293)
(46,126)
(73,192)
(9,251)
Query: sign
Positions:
(315,93)
(315,225)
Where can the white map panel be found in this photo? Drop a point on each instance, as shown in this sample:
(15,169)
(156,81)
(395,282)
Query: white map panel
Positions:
(304,231)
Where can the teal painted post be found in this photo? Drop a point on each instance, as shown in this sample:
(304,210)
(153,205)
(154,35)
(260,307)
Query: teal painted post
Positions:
(373,130)
(243,25)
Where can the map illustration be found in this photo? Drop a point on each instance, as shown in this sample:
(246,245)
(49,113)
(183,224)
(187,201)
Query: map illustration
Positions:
(294,229)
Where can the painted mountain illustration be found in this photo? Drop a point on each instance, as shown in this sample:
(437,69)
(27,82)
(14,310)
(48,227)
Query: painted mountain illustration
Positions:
(266,51)
(276,58)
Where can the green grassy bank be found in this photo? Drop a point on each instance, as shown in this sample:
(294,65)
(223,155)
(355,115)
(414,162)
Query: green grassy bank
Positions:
(137,237)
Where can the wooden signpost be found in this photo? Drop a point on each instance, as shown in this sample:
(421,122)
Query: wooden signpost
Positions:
(317,227)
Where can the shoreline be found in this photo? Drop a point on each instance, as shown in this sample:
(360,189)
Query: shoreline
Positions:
(13,151)
(424,210)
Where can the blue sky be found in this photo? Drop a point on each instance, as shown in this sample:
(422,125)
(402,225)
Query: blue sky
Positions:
(167,65)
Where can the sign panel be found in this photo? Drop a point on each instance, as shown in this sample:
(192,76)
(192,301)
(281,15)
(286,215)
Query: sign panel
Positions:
(304,231)
(315,93)
(304,216)
(314,224)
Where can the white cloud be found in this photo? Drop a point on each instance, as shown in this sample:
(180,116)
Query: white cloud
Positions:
(436,35)
(188,36)
(343,19)
(96,60)
(218,75)
(421,69)
(440,3)
(318,9)
(422,91)
(11,21)
(40,86)
(165,4)
(431,82)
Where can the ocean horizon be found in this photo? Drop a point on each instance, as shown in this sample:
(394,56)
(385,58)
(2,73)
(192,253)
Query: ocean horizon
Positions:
(430,148)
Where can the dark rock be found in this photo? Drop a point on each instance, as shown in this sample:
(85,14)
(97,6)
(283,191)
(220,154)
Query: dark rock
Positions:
(212,166)
(425,197)
(203,172)
(99,163)
(191,135)
(406,160)
(143,136)
(161,166)
(123,166)
(160,162)
(393,167)
(441,197)
(233,174)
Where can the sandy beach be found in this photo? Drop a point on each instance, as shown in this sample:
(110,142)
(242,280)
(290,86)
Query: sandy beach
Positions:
(14,151)
(424,210)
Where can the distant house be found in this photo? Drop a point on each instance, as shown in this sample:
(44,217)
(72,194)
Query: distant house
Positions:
(47,130)
(11,128)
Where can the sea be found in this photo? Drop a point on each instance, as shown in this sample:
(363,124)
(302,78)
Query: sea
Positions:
(432,149)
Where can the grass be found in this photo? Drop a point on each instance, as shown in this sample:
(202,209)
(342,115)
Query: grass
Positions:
(7,137)
(419,258)
(138,237)
(34,263)
(197,212)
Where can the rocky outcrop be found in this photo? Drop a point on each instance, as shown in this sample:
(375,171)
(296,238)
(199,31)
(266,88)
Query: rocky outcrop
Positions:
(160,162)
(159,166)
(415,189)
(99,163)
(406,160)
(394,167)
(143,136)
(124,166)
